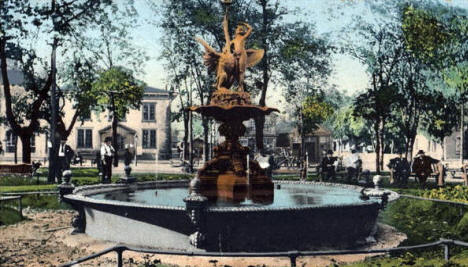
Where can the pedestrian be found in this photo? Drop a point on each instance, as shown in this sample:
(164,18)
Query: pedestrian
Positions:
(107,155)
(352,163)
(422,167)
(399,170)
(402,171)
(328,167)
(65,154)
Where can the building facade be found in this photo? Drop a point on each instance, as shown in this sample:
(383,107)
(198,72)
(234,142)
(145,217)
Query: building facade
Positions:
(147,129)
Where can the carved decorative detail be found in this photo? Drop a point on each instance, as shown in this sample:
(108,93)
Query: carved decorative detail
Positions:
(229,98)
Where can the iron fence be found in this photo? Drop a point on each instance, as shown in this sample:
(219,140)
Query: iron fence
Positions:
(292,255)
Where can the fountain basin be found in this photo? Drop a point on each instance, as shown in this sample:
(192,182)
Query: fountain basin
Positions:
(296,220)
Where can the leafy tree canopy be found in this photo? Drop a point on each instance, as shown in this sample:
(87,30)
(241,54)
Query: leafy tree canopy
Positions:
(117,83)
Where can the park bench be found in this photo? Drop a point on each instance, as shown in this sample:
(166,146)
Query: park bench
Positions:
(17,169)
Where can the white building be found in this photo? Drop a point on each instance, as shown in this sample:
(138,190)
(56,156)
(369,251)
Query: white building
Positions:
(146,128)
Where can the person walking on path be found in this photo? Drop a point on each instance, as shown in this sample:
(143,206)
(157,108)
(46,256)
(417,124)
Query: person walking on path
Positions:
(107,155)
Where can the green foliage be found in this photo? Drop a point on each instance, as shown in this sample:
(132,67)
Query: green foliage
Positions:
(314,112)
(442,118)
(17,180)
(38,201)
(26,188)
(9,216)
(424,221)
(454,193)
(424,34)
(346,127)
(457,76)
(409,259)
(118,82)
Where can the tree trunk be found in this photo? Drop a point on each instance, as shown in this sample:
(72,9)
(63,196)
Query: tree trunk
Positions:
(206,144)
(186,135)
(377,147)
(443,150)
(191,142)
(381,136)
(53,117)
(260,121)
(259,125)
(115,122)
(462,130)
(26,148)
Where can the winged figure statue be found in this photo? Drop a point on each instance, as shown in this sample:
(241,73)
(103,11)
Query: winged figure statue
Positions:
(231,63)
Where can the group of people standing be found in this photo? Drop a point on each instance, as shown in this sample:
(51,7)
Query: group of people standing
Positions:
(352,163)
(104,159)
(400,168)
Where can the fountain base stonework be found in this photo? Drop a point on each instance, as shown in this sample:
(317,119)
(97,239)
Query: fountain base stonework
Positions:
(242,227)
(226,176)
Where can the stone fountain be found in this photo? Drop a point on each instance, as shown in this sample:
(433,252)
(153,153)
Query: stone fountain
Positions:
(226,175)
(231,204)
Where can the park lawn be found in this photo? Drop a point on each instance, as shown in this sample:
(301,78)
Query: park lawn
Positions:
(9,216)
(28,188)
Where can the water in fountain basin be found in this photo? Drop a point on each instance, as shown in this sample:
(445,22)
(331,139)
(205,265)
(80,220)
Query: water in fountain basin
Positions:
(290,195)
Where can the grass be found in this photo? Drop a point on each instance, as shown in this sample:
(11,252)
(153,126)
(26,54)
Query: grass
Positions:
(9,216)
(28,188)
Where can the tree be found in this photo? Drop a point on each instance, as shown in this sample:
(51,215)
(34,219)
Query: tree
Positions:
(117,91)
(375,106)
(94,53)
(314,111)
(182,20)
(437,35)
(348,128)
(23,23)
(441,119)
(380,51)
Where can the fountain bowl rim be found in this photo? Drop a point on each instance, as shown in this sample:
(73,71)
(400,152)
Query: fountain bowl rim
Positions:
(82,195)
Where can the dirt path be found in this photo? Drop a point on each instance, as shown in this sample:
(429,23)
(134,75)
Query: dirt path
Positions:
(44,240)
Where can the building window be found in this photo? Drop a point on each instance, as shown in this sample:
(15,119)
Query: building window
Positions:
(149,138)
(33,143)
(149,110)
(85,138)
(10,141)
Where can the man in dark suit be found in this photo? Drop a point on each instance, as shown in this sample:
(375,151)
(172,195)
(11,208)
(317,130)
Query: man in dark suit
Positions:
(328,167)
(399,170)
(422,166)
(65,154)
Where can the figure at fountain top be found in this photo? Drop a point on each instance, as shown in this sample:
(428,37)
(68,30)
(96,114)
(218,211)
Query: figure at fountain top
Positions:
(231,63)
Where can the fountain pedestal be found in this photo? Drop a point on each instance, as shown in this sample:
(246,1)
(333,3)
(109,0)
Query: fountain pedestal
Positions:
(226,175)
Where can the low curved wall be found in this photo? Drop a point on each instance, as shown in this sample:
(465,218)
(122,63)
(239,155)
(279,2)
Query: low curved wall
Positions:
(227,229)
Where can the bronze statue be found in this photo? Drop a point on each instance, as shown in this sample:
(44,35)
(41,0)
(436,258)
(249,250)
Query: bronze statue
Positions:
(231,63)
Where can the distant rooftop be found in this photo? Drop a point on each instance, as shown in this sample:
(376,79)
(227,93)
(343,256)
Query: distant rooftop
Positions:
(150,89)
